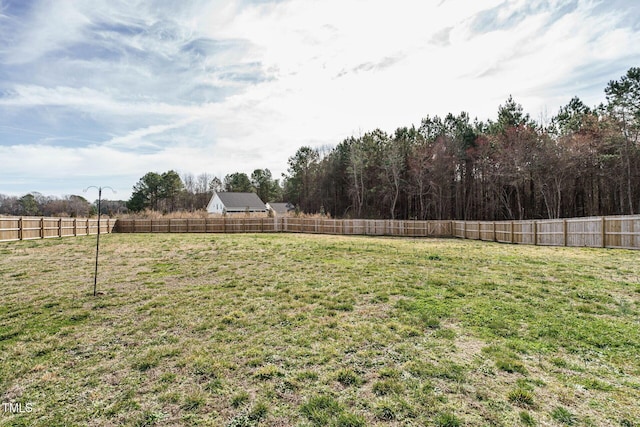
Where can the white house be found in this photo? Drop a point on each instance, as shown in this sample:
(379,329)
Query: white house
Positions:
(227,202)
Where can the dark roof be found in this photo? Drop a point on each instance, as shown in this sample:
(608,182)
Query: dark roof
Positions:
(282,208)
(241,201)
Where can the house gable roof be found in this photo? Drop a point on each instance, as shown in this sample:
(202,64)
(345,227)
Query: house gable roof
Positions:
(281,208)
(241,201)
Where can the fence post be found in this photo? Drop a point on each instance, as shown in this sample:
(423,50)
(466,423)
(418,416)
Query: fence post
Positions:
(512,235)
(75,227)
(88,230)
(20,225)
(42,227)
(564,232)
(59,227)
(604,233)
(495,236)
(535,233)
(464,229)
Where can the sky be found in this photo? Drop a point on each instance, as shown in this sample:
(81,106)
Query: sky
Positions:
(98,93)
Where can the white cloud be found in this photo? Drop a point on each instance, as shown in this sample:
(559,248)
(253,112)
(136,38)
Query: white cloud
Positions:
(95,102)
(139,137)
(48,28)
(223,86)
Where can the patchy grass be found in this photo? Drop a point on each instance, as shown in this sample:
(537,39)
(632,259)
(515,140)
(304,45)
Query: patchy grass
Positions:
(248,330)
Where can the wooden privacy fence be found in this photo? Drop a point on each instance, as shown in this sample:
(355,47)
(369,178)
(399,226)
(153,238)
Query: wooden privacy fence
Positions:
(26,228)
(286,224)
(604,232)
(609,232)
(596,232)
(198,225)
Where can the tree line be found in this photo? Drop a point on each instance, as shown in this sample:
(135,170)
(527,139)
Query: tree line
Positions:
(160,192)
(584,161)
(37,204)
(169,192)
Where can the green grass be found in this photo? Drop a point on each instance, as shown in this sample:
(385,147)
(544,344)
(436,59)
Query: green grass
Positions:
(447,420)
(527,419)
(563,416)
(521,397)
(259,330)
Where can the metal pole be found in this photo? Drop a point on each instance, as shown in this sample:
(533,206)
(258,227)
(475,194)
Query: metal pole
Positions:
(95,276)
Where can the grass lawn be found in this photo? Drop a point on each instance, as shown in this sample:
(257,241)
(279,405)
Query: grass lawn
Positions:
(311,330)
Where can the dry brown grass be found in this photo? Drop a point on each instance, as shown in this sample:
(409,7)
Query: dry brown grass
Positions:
(151,214)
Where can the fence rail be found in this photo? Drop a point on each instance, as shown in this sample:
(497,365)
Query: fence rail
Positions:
(28,228)
(610,232)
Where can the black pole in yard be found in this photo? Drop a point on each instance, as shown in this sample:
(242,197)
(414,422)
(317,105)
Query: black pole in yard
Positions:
(95,275)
